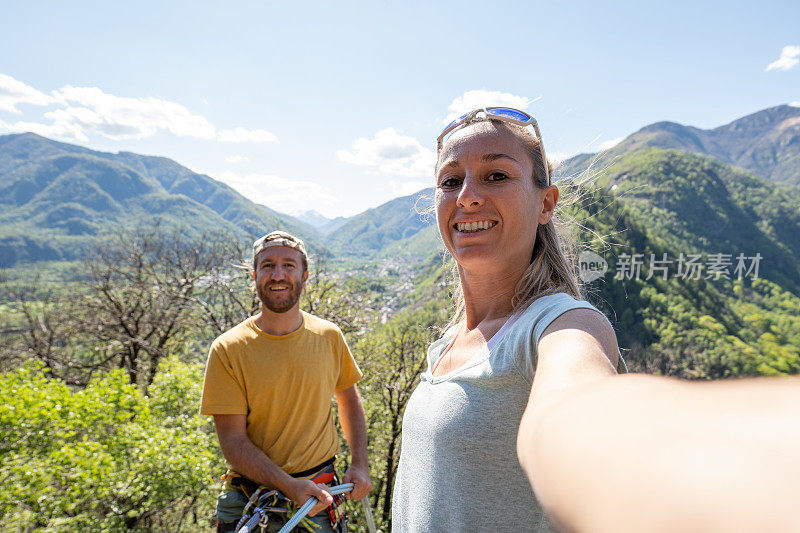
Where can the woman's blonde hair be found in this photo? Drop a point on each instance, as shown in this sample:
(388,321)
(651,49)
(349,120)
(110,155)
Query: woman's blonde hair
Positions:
(552,267)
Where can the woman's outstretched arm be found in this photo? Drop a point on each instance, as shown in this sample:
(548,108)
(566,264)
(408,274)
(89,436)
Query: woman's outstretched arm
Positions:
(645,453)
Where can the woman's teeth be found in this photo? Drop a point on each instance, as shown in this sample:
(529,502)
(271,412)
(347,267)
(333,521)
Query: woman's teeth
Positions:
(469,227)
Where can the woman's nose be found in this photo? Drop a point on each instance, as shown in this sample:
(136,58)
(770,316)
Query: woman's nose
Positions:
(470,195)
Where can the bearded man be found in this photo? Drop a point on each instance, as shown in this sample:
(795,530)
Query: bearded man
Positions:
(269,383)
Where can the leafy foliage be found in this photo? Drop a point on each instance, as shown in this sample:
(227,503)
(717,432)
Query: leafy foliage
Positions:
(655,202)
(392,357)
(106,457)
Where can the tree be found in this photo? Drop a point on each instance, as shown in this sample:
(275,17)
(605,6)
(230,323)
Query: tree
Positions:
(393,357)
(36,326)
(341,299)
(144,294)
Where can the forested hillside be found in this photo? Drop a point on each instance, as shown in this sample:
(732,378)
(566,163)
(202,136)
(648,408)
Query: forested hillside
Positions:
(683,243)
(54,197)
(375,229)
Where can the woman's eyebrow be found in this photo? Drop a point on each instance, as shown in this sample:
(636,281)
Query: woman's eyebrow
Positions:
(495,157)
(450,164)
(453,163)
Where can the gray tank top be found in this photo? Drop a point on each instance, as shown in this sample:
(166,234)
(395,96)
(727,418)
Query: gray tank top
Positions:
(458,466)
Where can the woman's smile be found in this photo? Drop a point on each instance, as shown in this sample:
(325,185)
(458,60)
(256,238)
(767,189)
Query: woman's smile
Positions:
(474,226)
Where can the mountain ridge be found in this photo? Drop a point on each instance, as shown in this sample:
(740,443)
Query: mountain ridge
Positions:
(378,227)
(320,222)
(395,227)
(766,143)
(51,190)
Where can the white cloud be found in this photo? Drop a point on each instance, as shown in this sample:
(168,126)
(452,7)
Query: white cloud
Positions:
(281,194)
(609,144)
(61,130)
(794,104)
(790,57)
(390,152)
(241,135)
(121,117)
(82,111)
(14,92)
(478,98)
(236,158)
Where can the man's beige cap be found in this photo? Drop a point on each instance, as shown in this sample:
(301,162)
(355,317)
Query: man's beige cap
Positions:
(279,238)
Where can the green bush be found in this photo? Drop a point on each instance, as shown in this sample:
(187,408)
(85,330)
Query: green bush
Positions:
(107,457)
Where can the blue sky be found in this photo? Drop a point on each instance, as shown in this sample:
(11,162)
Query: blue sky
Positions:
(335,106)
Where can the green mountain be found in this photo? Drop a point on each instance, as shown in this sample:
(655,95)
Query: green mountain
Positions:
(695,203)
(767,143)
(660,204)
(55,197)
(375,229)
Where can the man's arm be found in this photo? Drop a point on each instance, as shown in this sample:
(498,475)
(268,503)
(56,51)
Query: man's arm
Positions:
(645,453)
(351,416)
(247,459)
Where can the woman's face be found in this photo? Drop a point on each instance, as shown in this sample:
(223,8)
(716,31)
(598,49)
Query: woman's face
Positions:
(487,206)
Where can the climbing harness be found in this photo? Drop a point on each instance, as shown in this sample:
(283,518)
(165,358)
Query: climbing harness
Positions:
(311,502)
(259,517)
(263,503)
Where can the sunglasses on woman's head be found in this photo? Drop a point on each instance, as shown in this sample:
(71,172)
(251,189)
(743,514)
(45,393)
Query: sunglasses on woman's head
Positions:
(504,114)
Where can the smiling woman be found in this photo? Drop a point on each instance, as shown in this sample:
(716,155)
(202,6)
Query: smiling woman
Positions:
(495,210)
(521,392)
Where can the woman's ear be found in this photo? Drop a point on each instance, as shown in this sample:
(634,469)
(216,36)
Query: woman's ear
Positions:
(549,201)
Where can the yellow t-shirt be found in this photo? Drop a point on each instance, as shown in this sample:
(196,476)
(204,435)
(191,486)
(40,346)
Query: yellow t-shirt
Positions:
(284,384)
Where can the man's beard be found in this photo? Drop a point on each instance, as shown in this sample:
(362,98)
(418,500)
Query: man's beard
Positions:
(279,303)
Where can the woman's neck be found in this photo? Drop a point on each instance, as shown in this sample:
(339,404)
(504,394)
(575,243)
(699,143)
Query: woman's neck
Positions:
(488,296)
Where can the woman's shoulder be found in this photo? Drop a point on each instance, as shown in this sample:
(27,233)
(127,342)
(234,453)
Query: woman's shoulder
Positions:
(545,309)
(554,302)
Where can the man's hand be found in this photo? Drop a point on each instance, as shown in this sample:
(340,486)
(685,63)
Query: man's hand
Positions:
(359,477)
(300,490)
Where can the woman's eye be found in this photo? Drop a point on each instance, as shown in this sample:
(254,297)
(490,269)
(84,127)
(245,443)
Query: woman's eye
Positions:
(450,183)
(497,176)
